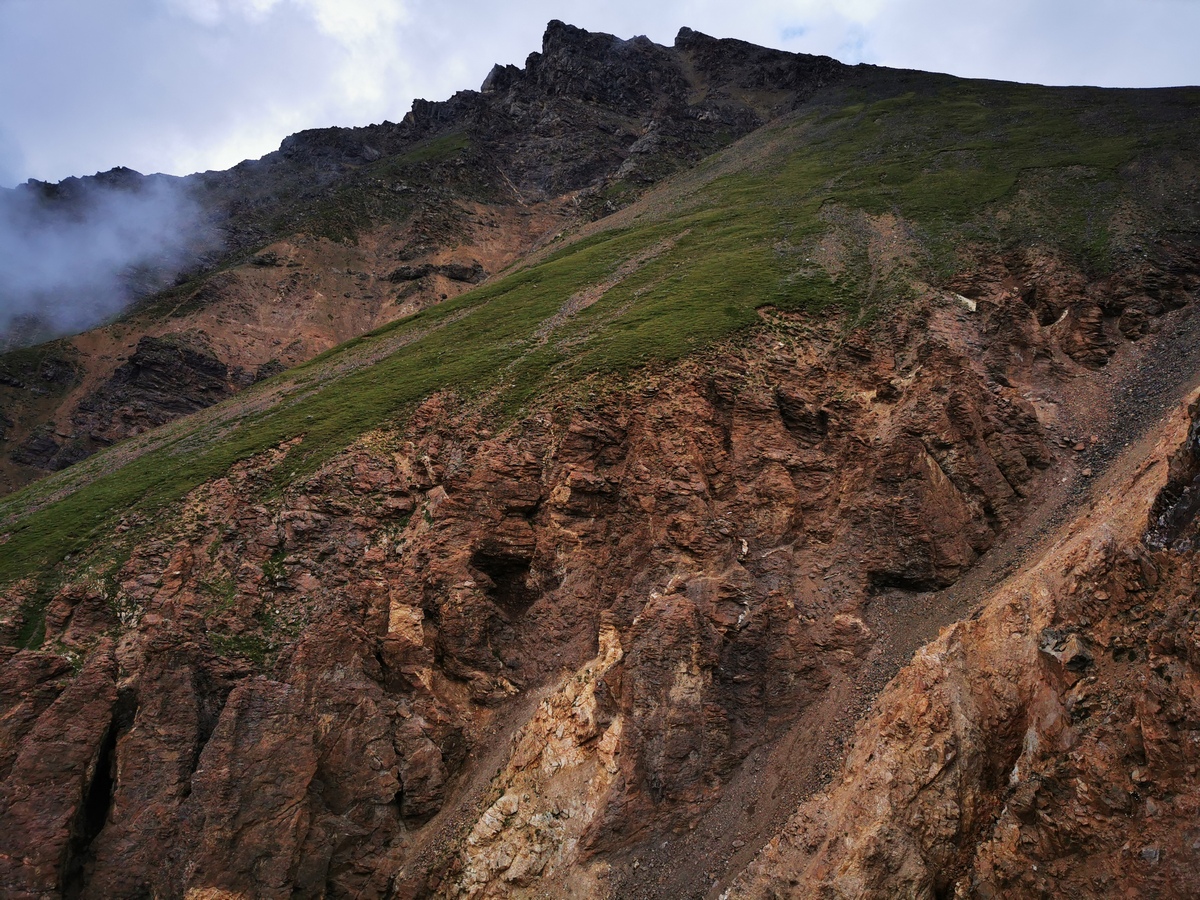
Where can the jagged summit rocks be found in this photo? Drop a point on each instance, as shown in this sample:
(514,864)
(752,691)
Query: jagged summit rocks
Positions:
(694,96)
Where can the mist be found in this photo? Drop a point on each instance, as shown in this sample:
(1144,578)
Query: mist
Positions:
(77,253)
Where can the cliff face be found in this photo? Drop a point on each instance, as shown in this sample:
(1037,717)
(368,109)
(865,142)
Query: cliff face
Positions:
(1045,748)
(819,525)
(556,659)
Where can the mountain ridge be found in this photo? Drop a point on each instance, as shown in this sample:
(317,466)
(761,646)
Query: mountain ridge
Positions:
(587,580)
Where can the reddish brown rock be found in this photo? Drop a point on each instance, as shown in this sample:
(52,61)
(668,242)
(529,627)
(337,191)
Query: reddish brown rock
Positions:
(55,797)
(1048,747)
(629,628)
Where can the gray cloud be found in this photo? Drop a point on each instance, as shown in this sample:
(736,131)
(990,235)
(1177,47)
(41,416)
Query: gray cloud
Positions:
(73,255)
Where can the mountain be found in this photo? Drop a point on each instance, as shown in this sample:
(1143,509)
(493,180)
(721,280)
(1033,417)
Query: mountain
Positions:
(346,229)
(818,520)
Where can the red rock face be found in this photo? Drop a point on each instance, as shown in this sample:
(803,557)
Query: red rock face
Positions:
(1047,748)
(629,630)
(58,767)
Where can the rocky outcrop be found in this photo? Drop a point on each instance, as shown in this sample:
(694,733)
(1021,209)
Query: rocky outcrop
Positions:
(33,384)
(163,379)
(472,274)
(317,686)
(1046,747)
(465,663)
(57,763)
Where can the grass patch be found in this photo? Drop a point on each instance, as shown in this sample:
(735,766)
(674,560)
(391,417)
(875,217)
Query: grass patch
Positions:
(437,150)
(33,617)
(256,648)
(273,569)
(222,591)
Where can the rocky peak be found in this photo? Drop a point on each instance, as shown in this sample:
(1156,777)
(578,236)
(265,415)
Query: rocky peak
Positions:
(72,192)
(629,75)
(333,145)
(602,68)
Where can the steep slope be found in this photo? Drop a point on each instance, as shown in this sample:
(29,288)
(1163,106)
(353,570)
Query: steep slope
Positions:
(343,230)
(575,584)
(1047,747)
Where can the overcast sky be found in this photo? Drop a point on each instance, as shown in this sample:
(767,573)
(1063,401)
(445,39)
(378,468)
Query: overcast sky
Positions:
(185,85)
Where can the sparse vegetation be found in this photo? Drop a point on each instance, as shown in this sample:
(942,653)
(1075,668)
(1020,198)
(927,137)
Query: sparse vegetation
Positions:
(437,150)
(33,616)
(258,649)
(962,163)
(274,571)
(222,591)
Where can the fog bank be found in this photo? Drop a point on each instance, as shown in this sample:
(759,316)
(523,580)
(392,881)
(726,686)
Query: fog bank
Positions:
(74,254)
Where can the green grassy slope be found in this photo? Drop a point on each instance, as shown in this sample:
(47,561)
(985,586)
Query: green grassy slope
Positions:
(959,163)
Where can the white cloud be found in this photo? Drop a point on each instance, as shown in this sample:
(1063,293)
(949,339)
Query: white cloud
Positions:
(213,12)
(368,31)
(356,22)
(363,38)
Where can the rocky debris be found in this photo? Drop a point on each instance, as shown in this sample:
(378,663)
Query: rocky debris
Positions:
(472,274)
(564,763)
(269,369)
(45,449)
(1070,650)
(1172,520)
(1013,757)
